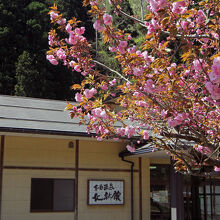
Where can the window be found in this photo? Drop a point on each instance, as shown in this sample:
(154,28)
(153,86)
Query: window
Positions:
(52,195)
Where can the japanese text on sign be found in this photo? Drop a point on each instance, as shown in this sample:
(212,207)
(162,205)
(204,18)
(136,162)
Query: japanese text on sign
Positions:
(106,192)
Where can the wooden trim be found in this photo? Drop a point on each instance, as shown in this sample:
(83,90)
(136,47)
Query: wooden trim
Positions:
(68,168)
(140,189)
(1,170)
(38,168)
(51,211)
(76,178)
(106,170)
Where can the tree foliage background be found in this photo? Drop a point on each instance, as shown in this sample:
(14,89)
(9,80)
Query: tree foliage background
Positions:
(24,27)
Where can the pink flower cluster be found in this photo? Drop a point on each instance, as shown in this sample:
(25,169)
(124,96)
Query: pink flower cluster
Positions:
(201,17)
(50,40)
(78,97)
(179,7)
(152,26)
(149,86)
(204,150)
(54,16)
(52,59)
(107,20)
(216,169)
(99,113)
(156,5)
(215,74)
(89,93)
(213,86)
(97,25)
(104,87)
(178,120)
(137,71)
(213,89)
(75,36)
(145,135)
(128,131)
(198,65)
(130,148)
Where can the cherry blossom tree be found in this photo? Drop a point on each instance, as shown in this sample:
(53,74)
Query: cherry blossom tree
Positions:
(167,94)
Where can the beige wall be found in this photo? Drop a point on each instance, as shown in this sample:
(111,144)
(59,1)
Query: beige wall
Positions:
(16,195)
(48,152)
(44,152)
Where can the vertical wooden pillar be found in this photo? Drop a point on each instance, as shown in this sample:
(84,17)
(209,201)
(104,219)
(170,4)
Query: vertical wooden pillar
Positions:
(1,170)
(76,178)
(176,192)
(140,188)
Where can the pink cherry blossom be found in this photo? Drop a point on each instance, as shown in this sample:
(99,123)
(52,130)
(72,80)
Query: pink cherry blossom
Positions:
(93,3)
(130,131)
(62,21)
(54,62)
(61,54)
(129,37)
(113,49)
(214,90)
(201,17)
(216,169)
(121,131)
(112,83)
(149,86)
(78,97)
(96,112)
(122,44)
(137,94)
(68,28)
(72,64)
(137,71)
(52,59)
(80,31)
(132,49)
(130,148)
(97,26)
(90,92)
(53,15)
(77,68)
(198,64)
(103,114)
(156,5)
(179,7)
(107,19)
(104,87)
(145,135)
(215,74)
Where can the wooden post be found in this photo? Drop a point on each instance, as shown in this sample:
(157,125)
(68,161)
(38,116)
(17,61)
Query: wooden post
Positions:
(76,178)
(1,170)
(140,189)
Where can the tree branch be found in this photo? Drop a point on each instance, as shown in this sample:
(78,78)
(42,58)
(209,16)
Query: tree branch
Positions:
(113,71)
(188,138)
(193,36)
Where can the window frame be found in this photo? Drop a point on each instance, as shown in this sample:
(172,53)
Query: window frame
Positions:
(52,209)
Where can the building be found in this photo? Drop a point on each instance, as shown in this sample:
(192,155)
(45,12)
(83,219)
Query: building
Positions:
(50,168)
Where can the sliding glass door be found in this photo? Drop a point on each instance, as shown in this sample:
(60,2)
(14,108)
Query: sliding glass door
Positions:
(160,191)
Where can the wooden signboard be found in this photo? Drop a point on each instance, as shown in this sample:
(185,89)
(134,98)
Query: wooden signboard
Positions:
(105,192)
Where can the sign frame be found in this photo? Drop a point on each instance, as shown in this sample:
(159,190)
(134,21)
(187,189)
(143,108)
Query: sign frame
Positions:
(105,180)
